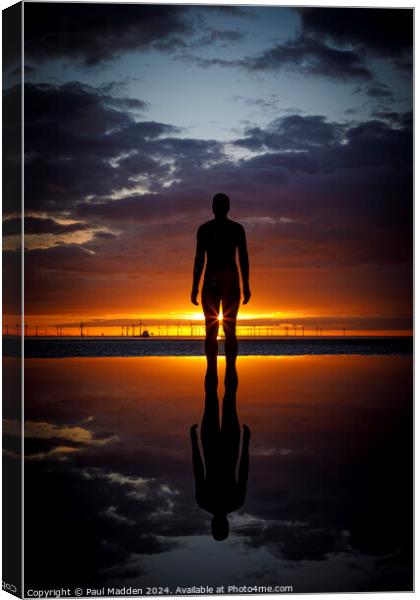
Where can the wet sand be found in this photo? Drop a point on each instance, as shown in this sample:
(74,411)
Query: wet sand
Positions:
(110,489)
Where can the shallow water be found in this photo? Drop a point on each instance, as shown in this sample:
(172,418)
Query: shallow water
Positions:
(110,487)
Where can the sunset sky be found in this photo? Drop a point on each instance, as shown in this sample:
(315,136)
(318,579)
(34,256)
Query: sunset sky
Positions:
(136,115)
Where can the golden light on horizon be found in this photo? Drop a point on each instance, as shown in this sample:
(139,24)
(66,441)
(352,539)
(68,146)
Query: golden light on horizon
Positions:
(191,324)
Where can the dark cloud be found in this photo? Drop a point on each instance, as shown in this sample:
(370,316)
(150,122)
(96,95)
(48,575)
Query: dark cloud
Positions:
(74,103)
(311,56)
(229,10)
(379,91)
(81,142)
(37,226)
(93,34)
(376,90)
(378,32)
(330,145)
(390,116)
(302,54)
(293,132)
(105,235)
(375,144)
(397,119)
(74,132)
(212,36)
(335,44)
(145,208)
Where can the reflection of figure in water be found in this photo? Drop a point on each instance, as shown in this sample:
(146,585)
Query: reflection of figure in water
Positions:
(219,488)
(219,239)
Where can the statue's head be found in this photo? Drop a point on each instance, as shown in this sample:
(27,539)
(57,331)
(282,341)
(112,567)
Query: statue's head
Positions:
(221,205)
(220,527)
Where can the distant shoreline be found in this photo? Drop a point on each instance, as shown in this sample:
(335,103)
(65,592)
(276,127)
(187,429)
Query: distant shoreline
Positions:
(157,338)
(67,347)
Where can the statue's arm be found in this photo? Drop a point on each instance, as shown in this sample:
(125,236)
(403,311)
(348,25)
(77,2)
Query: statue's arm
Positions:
(244,264)
(199,259)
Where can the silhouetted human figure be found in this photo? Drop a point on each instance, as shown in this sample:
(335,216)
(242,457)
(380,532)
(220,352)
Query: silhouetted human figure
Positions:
(219,240)
(219,490)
